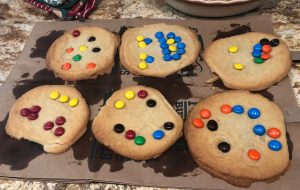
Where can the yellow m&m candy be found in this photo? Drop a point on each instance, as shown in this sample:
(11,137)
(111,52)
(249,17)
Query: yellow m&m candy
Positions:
(238,66)
(73,102)
(83,48)
(143,65)
(54,95)
(233,49)
(64,99)
(142,44)
(143,56)
(119,104)
(140,38)
(170,41)
(172,48)
(129,95)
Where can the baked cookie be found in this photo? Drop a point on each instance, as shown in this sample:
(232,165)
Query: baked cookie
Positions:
(239,137)
(158,50)
(54,116)
(137,122)
(252,61)
(82,53)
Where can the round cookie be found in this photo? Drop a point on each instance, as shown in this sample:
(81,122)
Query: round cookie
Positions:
(158,50)
(82,53)
(54,116)
(239,137)
(252,61)
(137,122)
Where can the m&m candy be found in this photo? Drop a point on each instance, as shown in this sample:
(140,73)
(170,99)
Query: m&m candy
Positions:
(226,109)
(275,145)
(205,113)
(259,130)
(158,134)
(238,109)
(254,113)
(139,140)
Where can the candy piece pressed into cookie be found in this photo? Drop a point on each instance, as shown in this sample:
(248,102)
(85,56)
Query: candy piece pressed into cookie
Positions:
(239,137)
(252,61)
(54,116)
(82,53)
(137,122)
(158,50)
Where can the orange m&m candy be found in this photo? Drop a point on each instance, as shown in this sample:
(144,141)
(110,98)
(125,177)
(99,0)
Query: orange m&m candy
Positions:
(198,123)
(253,154)
(225,108)
(265,56)
(90,65)
(266,48)
(205,113)
(66,66)
(274,133)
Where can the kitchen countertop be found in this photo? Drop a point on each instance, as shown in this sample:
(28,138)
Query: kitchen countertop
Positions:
(17,19)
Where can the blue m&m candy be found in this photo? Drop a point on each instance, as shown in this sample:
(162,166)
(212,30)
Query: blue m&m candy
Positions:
(166,51)
(148,40)
(159,34)
(162,40)
(149,59)
(181,45)
(259,130)
(164,46)
(171,35)
(254,113)
(238,109)
(177,39)
(176,56)
(167,57)
(158,134)
(256,53)
(275,145)
(257,47)
(180,51)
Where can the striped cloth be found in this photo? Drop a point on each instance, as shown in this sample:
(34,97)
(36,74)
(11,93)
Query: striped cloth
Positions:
(66,9)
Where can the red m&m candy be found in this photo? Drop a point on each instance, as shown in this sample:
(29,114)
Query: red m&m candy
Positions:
(33,116)
(66,66)
(142,94)
(130,134)
(90,65)
(25,112)
(198,123)
(205,113)
(253,154)
(35,109)
(59,131)
(266,48)
(49,125)
(274,133)
(69,50)
(76,33)
(60,120)
(265,56)
(225,108)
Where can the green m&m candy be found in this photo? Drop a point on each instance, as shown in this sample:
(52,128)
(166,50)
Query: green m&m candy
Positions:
(258,60)
(139,140)
(77,57)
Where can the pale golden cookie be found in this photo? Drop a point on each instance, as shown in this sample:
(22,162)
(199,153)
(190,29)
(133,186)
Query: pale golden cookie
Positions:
(82,53)
(233,61)
(238,136)
(137,122)
(158,50)
(54,116)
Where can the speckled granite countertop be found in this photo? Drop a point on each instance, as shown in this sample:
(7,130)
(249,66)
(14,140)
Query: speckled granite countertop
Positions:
(17,19)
